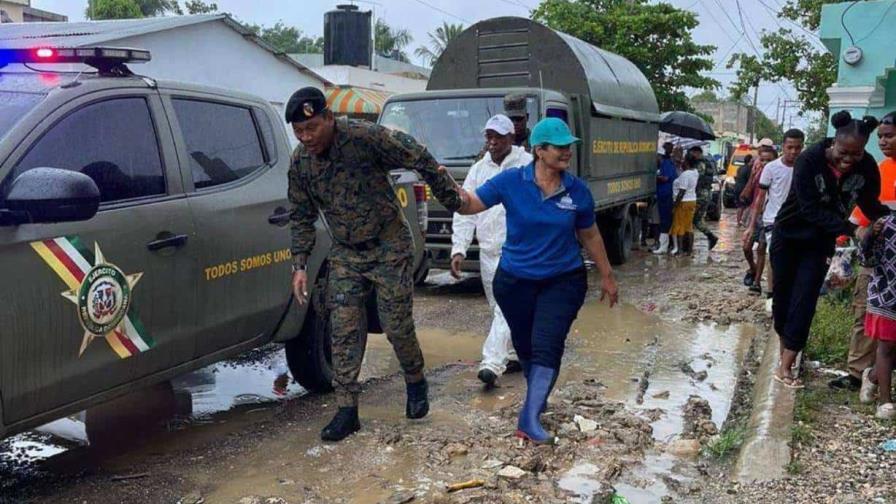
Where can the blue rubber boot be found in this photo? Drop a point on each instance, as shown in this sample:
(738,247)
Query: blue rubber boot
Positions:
(539,384)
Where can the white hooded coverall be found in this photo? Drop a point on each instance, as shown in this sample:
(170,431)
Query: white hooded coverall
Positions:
(490,228)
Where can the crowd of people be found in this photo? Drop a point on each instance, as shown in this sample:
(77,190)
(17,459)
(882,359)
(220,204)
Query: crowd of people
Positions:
(795,207)
(532,218)
(683,192)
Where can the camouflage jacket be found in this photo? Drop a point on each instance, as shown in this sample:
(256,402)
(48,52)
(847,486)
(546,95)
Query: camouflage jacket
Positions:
(706,177)
(351,186)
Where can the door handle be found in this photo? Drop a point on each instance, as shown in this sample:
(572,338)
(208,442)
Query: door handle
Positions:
(169,241)
(280,217)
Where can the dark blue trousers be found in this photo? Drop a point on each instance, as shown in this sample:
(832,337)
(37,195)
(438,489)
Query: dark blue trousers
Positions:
(664,204)
(540,312)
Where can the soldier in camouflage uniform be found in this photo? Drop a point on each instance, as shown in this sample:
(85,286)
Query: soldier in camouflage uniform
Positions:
(341,171)
(706,177)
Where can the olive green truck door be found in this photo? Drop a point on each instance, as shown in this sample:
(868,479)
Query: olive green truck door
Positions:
(143,234)
(234,161)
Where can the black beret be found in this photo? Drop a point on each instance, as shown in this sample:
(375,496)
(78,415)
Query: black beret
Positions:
(305,104)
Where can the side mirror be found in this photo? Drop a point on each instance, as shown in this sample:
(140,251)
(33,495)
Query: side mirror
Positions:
(45,195)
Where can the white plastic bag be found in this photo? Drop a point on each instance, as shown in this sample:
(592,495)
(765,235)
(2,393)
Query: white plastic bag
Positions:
(842,270)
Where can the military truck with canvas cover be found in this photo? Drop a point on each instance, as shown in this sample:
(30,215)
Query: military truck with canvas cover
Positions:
(604,98)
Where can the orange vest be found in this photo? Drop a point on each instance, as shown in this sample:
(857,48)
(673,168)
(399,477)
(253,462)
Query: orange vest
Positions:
(887,190)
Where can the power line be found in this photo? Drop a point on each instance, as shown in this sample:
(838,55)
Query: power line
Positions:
(517,4)
(443,11)
(843,23)
(743,26)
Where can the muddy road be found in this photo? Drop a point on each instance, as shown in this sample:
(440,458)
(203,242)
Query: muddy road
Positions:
(641,385)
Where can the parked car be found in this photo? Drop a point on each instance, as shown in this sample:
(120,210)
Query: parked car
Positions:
(143,234)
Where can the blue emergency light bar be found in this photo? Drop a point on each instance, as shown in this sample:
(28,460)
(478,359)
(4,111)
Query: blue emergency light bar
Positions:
(98,57)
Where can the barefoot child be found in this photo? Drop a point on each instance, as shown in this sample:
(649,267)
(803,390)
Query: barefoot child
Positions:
(879,250)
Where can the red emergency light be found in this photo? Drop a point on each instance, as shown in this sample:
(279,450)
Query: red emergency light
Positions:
(103,58)
(45,53)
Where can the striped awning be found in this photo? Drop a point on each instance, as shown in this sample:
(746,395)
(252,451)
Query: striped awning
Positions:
(355,100)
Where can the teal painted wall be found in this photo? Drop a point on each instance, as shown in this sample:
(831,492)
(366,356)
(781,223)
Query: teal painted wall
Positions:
(871,24)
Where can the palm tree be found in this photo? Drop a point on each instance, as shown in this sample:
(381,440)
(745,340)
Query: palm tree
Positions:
(438,41)
(390,42)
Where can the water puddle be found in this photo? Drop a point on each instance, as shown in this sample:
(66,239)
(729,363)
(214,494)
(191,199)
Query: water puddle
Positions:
(203,397)
(654,366)
(582,481)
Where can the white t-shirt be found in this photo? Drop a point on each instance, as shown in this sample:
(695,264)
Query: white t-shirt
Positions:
(775,179)
(687,181)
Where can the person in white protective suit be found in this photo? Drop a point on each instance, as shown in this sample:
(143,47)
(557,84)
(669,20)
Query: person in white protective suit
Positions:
(498,355)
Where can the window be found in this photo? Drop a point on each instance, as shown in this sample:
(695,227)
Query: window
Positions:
(113,142)
(221,139)
(556,112)
(267,132)
(449,128)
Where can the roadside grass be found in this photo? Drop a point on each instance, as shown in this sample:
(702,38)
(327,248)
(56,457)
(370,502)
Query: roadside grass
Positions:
(726,443)
(801,433)
(831,328)
(795,467)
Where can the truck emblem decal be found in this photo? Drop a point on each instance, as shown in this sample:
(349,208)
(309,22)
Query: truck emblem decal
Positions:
(444,230)
(102,293)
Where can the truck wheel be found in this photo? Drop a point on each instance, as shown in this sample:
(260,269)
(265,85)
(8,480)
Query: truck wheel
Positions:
(422,271)
(308,355)
(618,236)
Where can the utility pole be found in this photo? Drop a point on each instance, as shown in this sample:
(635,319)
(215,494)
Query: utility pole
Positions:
(777,111)
(753,113)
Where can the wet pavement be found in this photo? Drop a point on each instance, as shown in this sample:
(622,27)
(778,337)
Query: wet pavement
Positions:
(642,354)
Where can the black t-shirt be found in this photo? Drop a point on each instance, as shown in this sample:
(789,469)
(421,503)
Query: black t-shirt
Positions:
(743,177)
(817,207)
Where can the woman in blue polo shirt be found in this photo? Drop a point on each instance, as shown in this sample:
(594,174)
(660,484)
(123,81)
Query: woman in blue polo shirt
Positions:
(541,280)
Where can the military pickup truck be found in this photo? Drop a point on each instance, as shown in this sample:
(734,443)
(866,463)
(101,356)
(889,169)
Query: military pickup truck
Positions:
(603,97)
(143,234)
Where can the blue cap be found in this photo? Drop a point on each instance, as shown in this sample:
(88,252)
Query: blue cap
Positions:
(552,131)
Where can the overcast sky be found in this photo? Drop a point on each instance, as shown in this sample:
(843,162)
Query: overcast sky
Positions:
(720,23)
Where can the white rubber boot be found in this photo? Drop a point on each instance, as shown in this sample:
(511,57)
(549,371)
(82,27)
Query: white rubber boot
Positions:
(675,244)
(664,244)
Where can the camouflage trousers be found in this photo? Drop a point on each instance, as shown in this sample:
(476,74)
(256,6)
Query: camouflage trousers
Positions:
(699,215)
(348,285)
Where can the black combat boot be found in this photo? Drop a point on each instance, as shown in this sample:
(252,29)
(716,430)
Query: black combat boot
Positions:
(342,425)
(418,400)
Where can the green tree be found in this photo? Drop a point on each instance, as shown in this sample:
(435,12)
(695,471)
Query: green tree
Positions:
(789,55)
(438,41)
(391,42)
(817,130)
(113,9)
(656,37)
(766,128)
(199,7)
(287,39)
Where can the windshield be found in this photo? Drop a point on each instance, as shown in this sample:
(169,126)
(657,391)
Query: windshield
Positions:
(450,128)
(14,106)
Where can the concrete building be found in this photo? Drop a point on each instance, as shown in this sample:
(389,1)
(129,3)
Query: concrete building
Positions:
(729,117)
(861,39)
(21,11)
(211,49)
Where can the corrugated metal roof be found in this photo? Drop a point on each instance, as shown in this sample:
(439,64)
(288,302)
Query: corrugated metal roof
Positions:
(87,33)
(24,35)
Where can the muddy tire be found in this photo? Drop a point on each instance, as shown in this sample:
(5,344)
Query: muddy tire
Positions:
(423,271)
(618,235)
(309,354)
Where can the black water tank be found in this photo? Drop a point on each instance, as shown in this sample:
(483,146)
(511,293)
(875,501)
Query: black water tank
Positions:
(347,36)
